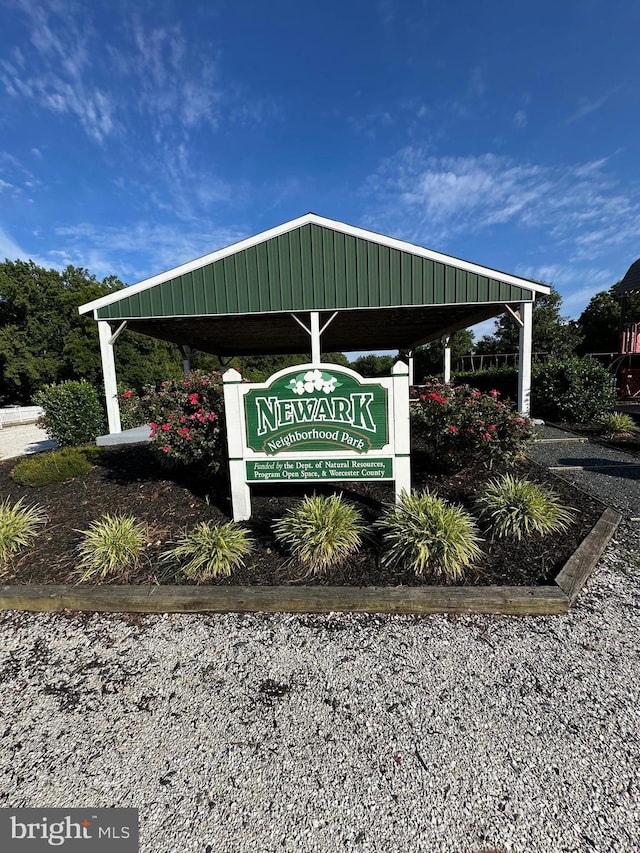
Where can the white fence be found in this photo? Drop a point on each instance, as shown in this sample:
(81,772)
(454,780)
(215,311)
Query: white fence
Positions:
(19,415)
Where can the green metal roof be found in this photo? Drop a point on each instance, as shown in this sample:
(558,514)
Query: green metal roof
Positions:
(314,264)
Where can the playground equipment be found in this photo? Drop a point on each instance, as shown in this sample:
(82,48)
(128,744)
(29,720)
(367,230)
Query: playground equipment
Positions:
(626,367)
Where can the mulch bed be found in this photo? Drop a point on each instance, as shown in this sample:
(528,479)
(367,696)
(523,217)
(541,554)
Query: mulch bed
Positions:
(628,442)
(130,481)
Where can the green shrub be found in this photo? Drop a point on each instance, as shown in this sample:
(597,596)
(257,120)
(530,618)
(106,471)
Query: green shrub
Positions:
(72,412)
(460,425)
(512,507)
(577,390)
(55,466)
(320,532)
(503,379)
(616,423)
(211,550)
(186,419)
(431,537)
(19,525)
(111,546)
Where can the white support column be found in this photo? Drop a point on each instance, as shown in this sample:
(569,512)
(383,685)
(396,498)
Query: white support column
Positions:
(524,359)
(240,491)
(186,359)
(410,366)
(314,326)
(401,427)
(109,375)
(447,360)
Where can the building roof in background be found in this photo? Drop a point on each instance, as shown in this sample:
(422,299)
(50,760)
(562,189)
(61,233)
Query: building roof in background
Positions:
(631,281)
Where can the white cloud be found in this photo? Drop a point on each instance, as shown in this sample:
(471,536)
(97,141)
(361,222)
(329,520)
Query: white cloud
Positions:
(143,95)
(574,303)
(172,86)
(56,72)
(69,69)
(16,176)
(433,198)
(140,250)
(443,195)
(577,283)
(520,119)
(13,251)
(547,273)
(9,248)
(588,105)
(574,222)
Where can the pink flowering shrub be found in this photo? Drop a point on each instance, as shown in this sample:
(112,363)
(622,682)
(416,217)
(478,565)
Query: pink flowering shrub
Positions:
(131,414)
(459,425)
(186,419)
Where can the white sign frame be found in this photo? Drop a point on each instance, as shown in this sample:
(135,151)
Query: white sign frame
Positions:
(398,433)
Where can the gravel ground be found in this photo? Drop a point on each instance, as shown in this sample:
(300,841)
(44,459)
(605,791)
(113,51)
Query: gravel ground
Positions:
(338,733)
(617,484)
(26,438)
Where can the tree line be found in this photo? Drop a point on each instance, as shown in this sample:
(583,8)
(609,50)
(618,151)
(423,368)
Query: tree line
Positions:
(595,331)
(44,340)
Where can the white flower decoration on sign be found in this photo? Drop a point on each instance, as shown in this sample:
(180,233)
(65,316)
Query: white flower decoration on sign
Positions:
(314,380)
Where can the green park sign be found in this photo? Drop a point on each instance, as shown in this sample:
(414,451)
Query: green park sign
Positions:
(316,410)
(316,423)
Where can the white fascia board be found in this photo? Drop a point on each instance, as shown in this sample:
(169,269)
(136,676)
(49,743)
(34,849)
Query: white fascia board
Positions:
(312,218)
(500,305)
(203,261)
(430,254)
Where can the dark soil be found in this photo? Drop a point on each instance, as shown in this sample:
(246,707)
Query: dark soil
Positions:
(130,481)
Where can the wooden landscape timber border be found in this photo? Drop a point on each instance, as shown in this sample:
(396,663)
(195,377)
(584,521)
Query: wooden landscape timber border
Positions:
(515,600)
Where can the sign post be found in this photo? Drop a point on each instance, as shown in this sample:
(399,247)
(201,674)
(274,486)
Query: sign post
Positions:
(316,423)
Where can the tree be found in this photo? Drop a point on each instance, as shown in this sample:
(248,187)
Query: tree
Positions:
(599,323)
(428,360)
(44,340)
(258,368)
(372,365)
(553,334)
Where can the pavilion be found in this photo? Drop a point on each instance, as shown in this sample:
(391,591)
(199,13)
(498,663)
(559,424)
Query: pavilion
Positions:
(314,284)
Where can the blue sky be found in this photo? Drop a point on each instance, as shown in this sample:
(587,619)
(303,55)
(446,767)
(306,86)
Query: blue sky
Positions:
(137,136)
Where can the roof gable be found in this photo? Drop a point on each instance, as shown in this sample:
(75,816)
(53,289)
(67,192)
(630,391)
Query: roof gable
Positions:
(312,263)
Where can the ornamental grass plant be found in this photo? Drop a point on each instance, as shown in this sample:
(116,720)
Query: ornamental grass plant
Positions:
(208,551)
(429,536)
(111,547)
(320,532)
(616,424)
(19,526)
(513,507)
